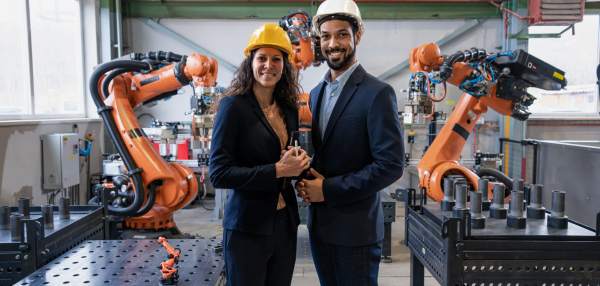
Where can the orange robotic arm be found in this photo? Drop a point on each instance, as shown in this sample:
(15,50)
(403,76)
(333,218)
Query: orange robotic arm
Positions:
(496,81)
(169,274)
(306,47)
(159,187)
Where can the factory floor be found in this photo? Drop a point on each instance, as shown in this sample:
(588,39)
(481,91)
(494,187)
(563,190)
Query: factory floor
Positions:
(196,221)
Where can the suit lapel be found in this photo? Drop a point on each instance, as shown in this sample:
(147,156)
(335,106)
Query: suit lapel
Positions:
(316,99)
(349,90)
(256,107)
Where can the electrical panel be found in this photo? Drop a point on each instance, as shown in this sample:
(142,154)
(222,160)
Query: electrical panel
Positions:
(60,161)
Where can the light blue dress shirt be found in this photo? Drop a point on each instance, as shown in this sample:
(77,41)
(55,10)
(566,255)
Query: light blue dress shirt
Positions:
(331,94)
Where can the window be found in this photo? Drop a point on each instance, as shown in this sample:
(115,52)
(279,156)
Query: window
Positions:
(576,55)
(43,63)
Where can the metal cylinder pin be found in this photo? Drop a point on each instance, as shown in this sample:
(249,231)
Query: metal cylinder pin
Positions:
(48,216)
(557,218)
(24,207)
(484,189)
(497,210)
(448,201)
(535,210)
(518,185)
(477,218)
(63,208)
(15,226)
(460,208)
(5,212)
(515,218)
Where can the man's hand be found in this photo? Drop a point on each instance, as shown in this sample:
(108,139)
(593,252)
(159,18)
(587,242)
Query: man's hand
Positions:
(311,191)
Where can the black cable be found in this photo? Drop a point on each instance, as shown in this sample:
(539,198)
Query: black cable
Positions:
(112,128)
(501,177)
(110,77)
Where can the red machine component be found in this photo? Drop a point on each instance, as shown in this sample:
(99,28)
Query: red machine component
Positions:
(158,188)
(565,12)
(496,81)
(169,274)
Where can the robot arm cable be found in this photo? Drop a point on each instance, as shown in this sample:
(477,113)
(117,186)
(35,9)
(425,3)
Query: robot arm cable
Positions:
(112,127)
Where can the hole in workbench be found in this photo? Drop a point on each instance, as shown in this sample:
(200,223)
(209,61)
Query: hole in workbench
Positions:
(127,281)
(482,268)
(500,268)
(107,281)
(76,274)
(207,279)
(491,268)
(518,268)
(146,280)
(86,282)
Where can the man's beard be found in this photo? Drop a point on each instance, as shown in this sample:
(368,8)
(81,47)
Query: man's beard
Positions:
(343,63)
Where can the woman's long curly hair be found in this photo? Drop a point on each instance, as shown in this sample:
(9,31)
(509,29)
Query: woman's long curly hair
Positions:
(286,90)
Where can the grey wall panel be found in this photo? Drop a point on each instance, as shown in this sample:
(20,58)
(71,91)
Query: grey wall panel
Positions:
(573,169)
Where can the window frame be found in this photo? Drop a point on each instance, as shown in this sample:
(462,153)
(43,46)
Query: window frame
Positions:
(28,70)
(575,115)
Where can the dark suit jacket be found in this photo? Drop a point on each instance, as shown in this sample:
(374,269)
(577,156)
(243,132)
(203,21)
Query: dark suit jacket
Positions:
(244,150)
(361,153)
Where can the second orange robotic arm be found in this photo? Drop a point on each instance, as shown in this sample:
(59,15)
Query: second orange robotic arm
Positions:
(496,81)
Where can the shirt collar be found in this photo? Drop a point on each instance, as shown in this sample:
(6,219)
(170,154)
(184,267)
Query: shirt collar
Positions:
(343,78)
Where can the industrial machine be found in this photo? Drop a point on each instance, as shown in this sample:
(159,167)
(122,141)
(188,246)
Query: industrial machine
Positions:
(33,236)
(307,51)
(306,45)
(152,189)
(498,81)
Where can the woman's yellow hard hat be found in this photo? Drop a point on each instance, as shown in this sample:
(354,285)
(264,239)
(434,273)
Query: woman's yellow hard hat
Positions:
(270,35)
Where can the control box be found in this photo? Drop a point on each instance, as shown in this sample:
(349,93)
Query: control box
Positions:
(60,161)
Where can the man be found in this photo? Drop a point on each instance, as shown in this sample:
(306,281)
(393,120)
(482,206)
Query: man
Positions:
(359,150)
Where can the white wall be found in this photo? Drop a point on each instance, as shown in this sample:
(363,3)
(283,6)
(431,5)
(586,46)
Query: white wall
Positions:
(20,158)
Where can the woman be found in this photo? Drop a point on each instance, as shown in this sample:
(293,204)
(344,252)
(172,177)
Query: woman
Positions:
(252,127)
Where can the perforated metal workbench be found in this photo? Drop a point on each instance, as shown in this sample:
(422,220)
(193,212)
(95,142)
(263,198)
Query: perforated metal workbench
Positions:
(131,262)
(456,255)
